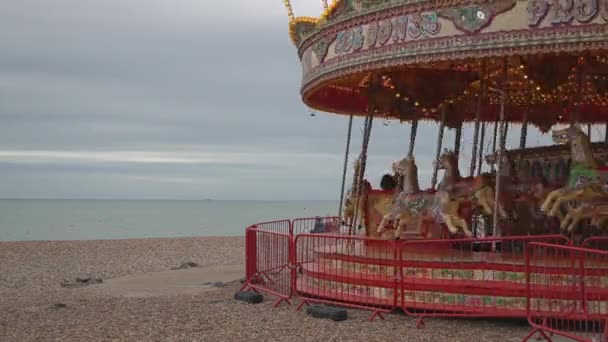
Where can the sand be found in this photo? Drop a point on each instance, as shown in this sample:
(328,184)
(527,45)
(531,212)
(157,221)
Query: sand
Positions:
(143,299)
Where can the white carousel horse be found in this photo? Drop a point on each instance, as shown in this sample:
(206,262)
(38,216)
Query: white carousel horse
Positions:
(585,183)
(411,205)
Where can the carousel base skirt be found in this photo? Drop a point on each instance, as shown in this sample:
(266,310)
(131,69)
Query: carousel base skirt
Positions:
(450,281)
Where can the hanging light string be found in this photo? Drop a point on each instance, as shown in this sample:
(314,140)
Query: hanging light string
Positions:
(287,4)
(350,127)
(524,131)
(480,96)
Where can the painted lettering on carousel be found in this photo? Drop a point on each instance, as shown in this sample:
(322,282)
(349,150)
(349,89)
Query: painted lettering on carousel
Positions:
(565,11)
(382,32)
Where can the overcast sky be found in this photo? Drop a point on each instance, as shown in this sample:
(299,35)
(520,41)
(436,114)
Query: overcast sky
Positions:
(170,99)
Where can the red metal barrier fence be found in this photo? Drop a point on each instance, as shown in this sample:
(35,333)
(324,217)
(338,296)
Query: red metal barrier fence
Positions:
(465,277)
(347,271)
(596,242)
(269,247)
(567,292)
(317,225)
(561,289)
(268,259)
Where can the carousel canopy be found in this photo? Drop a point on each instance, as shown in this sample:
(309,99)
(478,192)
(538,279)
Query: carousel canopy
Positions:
(412,59)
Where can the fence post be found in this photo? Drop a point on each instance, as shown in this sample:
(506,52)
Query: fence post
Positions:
(292,259)
(251,251)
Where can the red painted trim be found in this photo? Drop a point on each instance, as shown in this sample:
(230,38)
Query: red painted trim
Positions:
(501,288)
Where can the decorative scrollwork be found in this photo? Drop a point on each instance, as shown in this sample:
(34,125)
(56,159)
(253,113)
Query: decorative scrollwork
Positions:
(473,18)
(564,11)
(344,42)
(561,11)
(358,38)
(372,33)
(400,28)
(321,47)
(384,33)
(585,10)
(414,28)
(537,10)
(430,22)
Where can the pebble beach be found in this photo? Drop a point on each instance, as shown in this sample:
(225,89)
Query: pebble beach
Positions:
(34,306)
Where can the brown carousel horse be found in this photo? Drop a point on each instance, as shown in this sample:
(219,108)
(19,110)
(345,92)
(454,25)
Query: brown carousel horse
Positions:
(411,206)
(518,185)
(585,183)
(597,213)
(524,194)
(455,190)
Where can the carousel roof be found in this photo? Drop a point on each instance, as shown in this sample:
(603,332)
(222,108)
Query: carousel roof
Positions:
(410,59)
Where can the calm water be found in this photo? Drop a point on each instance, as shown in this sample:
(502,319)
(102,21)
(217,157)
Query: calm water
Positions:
(110,219)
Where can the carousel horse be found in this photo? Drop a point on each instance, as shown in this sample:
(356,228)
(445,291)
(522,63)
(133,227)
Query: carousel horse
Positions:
(596,212)
(599,217)
(479,189)
(519,186)
(448,210)
(523,193)
(411,205)
(585,182)
(451,194)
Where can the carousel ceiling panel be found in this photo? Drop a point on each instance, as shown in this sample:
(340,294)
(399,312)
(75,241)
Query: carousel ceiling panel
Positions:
(432,51)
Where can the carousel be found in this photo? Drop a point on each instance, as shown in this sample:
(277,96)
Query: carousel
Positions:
(489,63)
(459,246)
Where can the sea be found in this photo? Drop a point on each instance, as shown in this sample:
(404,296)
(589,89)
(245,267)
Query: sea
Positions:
(26,220)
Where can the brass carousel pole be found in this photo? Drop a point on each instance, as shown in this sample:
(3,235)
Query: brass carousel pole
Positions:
(360,176)
(457,138)
(350,128)
(482,139)
(494,140)
(410,152)
(366,133)
(498,166)
(439,143)
(414,130)
(501,148)
(524,131)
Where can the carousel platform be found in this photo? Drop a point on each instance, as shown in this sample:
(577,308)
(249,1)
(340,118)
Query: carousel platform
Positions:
(448,279)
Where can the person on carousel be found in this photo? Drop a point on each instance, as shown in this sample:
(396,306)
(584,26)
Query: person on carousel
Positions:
(388,182)
(319,227)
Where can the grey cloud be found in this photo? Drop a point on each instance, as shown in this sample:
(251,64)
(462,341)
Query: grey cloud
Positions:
(184,75)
